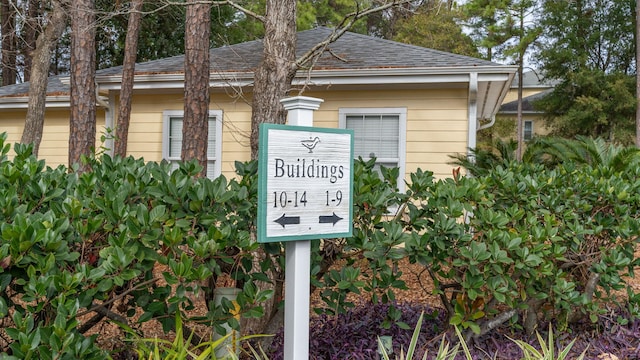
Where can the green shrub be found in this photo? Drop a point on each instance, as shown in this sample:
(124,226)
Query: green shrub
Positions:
(87,244)
(532,241)
(520,242)
(77,244)
(370,257)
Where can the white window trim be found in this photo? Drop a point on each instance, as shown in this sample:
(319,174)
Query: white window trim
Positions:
(217,114)
(402,128)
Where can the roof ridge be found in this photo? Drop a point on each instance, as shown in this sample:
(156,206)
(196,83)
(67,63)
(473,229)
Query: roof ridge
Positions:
(418,47)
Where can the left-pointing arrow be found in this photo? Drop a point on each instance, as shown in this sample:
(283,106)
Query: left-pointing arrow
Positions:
(287,220)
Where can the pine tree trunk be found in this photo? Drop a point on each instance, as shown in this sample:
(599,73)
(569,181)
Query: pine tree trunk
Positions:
(272,83)
(31,31)
(128,70)
(82,131)
(9,72)
(195,127)
(40,60)
(520,121)
(273,77)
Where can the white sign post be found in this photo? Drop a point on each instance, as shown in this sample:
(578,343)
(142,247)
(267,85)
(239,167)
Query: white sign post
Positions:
(305,192)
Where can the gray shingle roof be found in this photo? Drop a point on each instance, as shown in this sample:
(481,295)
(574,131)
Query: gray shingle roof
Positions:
(367,52)
(54,87)
(533,79)
(351,51)
(528,103)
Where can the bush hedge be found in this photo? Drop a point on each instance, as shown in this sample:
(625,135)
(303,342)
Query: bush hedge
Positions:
(522,244)
(80,244)
(534,243)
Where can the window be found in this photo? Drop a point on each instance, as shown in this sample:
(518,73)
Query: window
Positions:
(379,133)
(527,130)
(172,140)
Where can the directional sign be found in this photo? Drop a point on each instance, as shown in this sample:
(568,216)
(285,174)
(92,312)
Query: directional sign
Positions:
(305,183)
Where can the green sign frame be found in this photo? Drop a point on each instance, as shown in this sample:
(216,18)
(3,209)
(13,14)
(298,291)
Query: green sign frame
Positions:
(305,183)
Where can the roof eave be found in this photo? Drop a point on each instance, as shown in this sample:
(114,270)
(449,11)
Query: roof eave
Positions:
(324,77)
(524,112)
(22,102)
(494,93)
(496,78)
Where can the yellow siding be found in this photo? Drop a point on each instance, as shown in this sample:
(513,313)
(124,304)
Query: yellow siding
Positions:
(55,138)
(12,123)
(145,131)
(539,127)
(436,125)
(436,121)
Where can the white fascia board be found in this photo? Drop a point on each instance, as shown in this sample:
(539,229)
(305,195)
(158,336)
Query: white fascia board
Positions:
(380,80)
(486,71)
(503,76)
(171,81)
(324,77)
(22,102)
(403,76)
(524,112)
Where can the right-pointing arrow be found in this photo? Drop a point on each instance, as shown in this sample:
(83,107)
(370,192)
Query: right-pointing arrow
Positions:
(330,219)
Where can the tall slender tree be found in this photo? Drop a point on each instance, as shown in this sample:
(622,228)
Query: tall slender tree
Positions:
(9,42)
(39,74)
(195,126)
(435,25)
(526,32)
(590,50)
(82,129)
(274,75)
(279,63)
(272,82)
(491,25)
(128,70)
(31,28)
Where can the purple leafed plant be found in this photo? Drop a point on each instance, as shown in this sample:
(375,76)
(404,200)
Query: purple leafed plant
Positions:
(354,336)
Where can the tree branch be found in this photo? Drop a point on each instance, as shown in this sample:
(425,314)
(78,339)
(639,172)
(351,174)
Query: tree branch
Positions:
(231,3)
(246,11)
(442,294)
(489,325)
(120,296)
(345,25)
(589,290)
(101,312)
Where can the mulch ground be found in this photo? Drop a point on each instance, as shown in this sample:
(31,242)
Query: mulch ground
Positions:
(419,292)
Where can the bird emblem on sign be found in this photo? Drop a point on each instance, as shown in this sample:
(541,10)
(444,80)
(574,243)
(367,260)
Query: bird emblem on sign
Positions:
(310,143)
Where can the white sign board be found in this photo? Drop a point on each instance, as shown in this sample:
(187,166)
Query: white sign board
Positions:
(305,183)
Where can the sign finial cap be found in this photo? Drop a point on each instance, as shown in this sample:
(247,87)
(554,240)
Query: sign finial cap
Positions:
(301,102)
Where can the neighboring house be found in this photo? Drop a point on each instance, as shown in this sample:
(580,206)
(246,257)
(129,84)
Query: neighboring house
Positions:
(533,88)
(409,106)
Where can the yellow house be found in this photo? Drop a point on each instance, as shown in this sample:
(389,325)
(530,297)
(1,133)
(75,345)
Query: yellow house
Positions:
(409,106)
(533,88)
